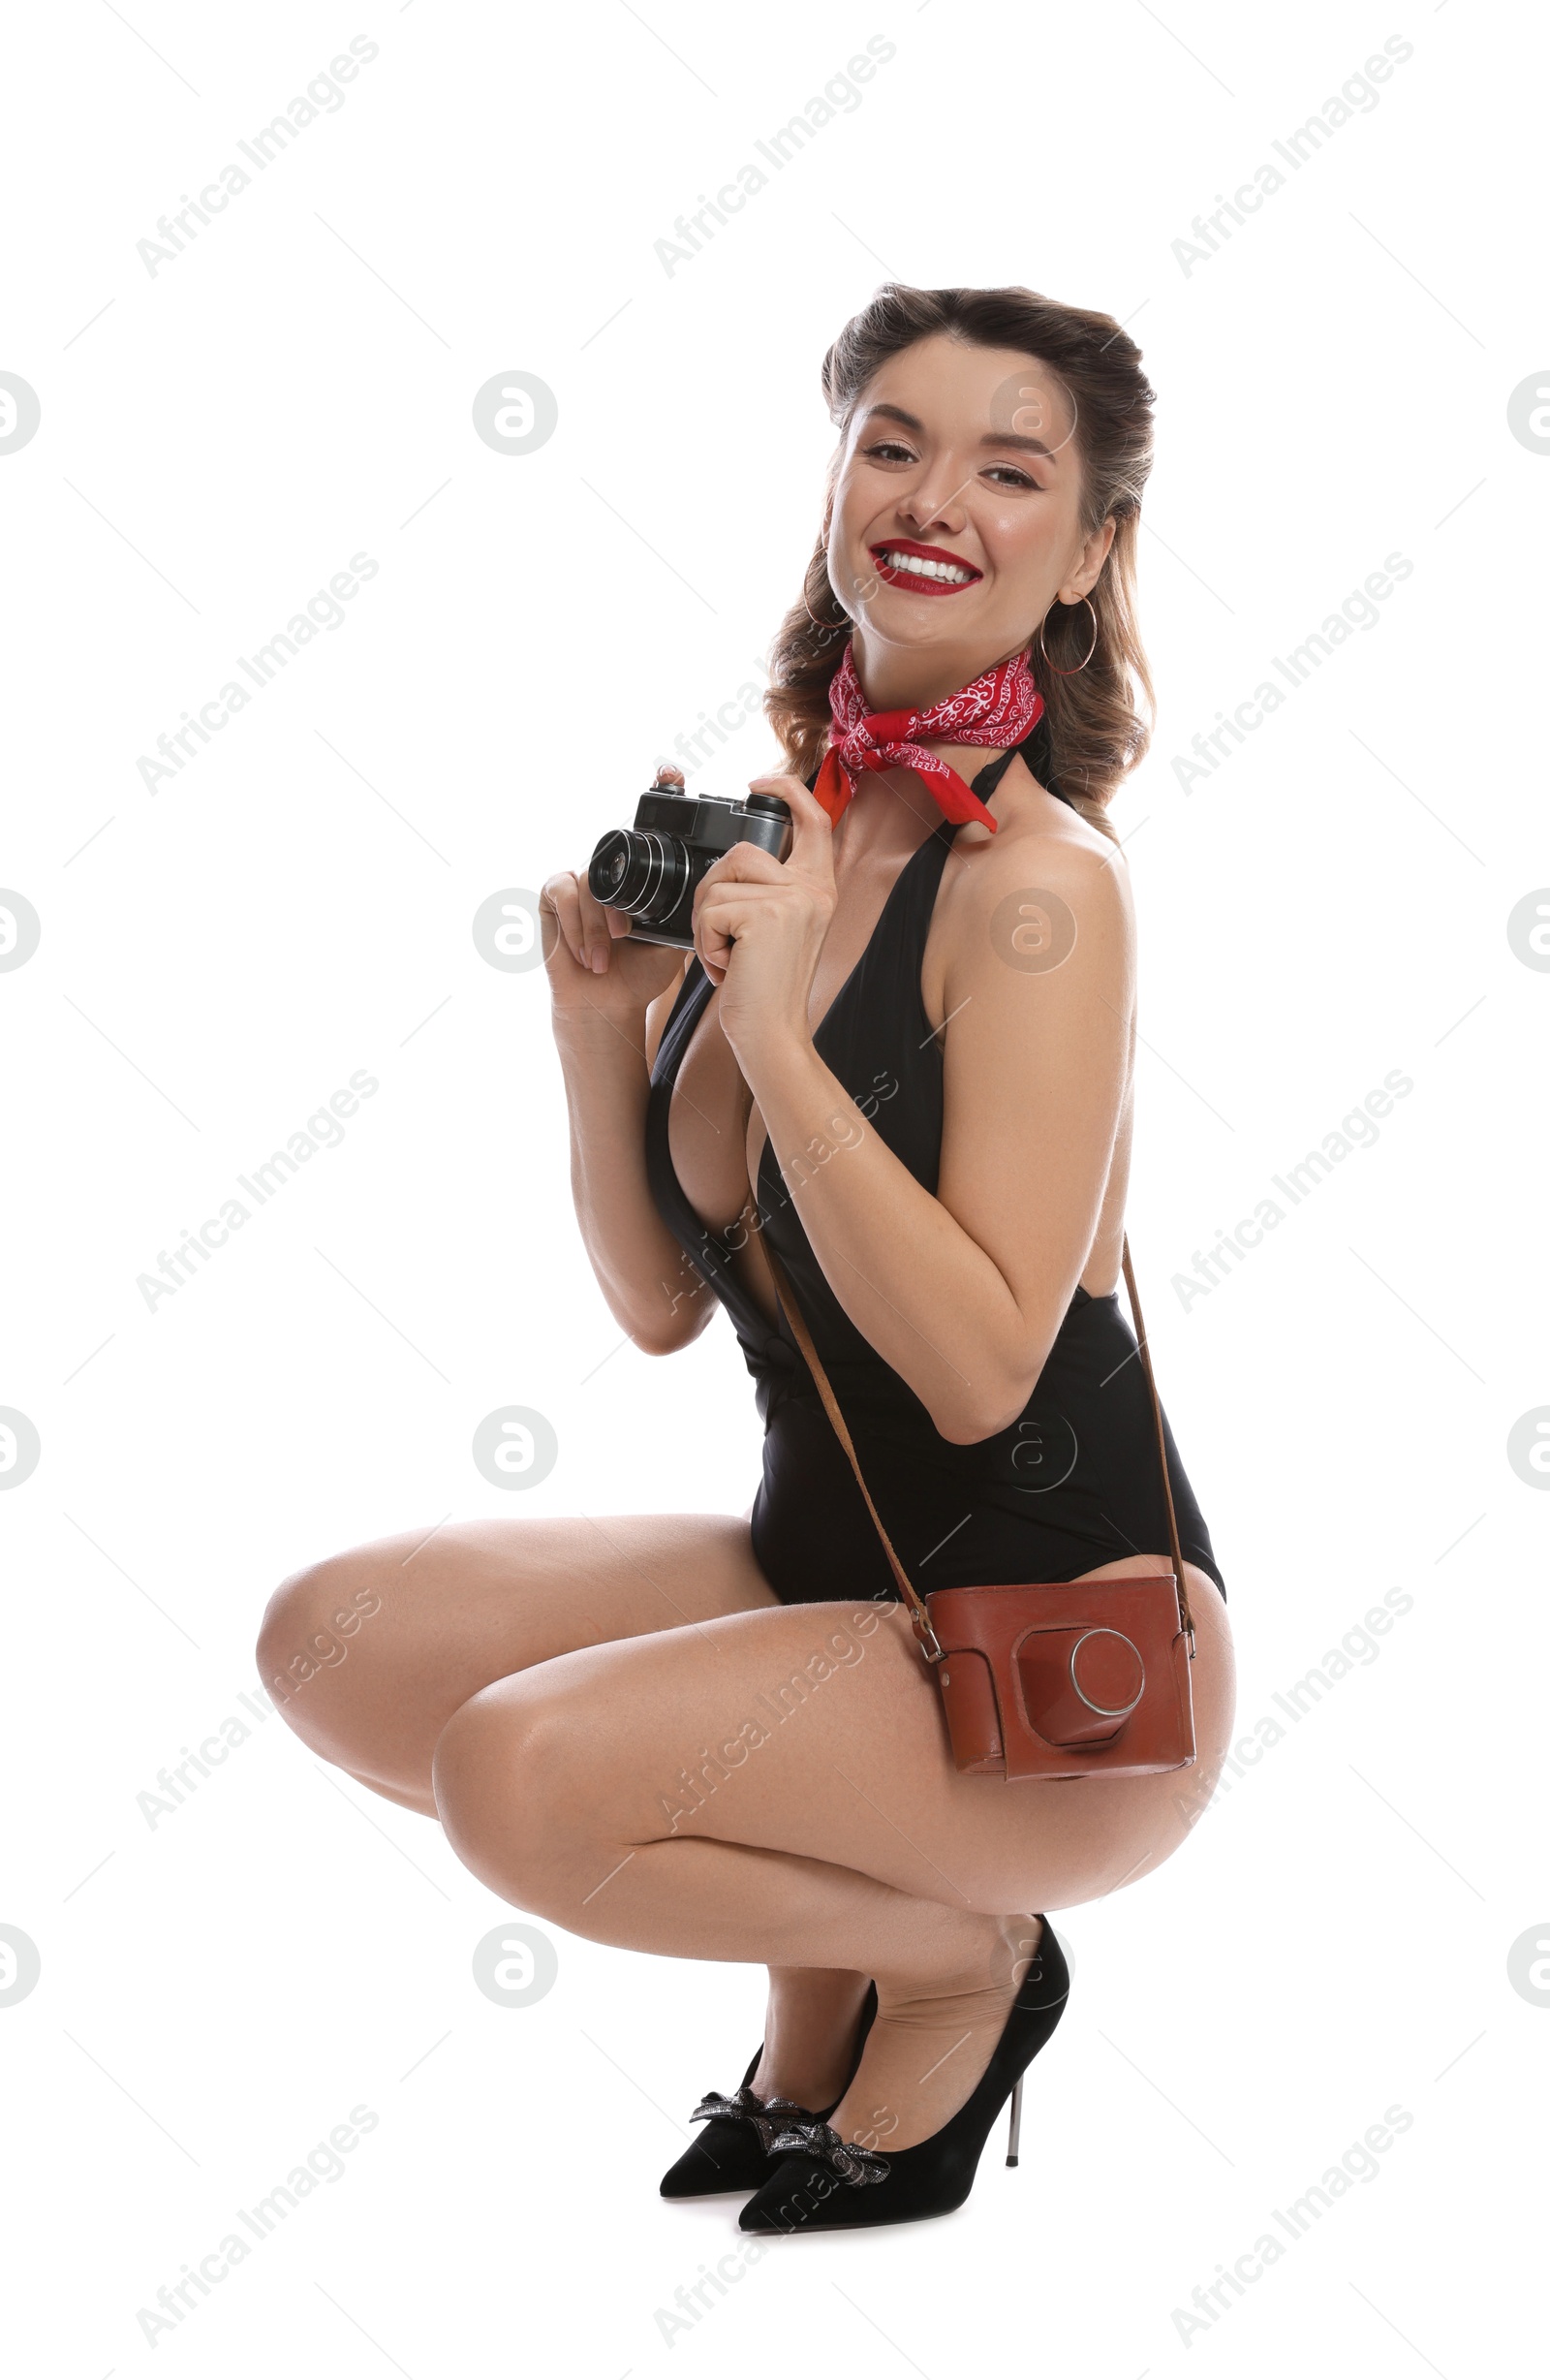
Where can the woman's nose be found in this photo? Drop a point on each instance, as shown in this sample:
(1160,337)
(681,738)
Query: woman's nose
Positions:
(937,503)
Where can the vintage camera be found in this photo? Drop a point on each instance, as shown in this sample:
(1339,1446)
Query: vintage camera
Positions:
(652,869)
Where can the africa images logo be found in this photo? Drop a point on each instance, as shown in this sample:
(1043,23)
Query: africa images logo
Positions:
(323,1129)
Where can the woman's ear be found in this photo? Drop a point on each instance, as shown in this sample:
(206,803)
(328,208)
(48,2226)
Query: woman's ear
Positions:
(1090,569)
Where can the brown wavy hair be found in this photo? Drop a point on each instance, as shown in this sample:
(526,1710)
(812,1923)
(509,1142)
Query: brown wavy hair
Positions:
(1093,729)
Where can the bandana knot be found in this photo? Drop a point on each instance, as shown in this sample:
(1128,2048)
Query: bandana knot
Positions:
(1000,708)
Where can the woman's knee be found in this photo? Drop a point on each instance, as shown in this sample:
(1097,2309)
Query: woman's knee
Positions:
(520,1793)
(309,1627)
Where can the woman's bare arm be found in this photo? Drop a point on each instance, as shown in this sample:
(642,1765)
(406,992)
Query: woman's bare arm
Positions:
(606,1025)
(963,1291)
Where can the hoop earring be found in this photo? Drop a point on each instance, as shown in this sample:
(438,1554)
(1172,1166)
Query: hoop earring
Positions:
(1086,657)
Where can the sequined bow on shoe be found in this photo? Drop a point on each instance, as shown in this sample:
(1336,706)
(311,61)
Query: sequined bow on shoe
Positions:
(768,2117)
(814,2139)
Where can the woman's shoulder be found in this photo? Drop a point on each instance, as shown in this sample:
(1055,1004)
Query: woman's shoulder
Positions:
(1040,845)
(1036,922)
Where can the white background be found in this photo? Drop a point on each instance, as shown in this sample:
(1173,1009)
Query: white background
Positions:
(216,958)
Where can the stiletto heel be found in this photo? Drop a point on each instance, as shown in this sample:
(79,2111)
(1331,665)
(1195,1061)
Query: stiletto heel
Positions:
(829,2184)
(1014,2129)
(733,2151)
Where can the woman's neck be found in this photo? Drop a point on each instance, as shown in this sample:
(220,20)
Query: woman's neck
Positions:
(899,677)
(891,814)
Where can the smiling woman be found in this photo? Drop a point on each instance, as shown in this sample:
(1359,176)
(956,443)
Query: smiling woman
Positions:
(1069,412)
(883,1111)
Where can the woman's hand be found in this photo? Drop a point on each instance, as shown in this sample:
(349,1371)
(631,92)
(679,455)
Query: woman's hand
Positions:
(592,960)
(761,924)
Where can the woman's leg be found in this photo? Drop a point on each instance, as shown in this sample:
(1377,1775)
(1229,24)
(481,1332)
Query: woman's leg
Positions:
(368,1654)
(776,1785)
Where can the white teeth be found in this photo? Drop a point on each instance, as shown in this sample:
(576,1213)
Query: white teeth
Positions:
(919,568)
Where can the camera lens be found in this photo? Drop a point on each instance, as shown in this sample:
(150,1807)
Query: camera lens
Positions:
(641,873)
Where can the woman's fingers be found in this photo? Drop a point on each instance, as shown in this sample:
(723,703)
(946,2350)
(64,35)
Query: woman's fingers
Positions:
(732,893)
(713,931)
(812,829)
(744,863)
(559,899)
(586,924)
(726,911)
(597,920)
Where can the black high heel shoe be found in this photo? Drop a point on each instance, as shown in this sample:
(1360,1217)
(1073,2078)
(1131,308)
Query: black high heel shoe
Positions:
(824,2183)
(733,2151)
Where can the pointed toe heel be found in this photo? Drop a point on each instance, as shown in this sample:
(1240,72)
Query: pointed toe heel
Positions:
(824,2183)
(728,2155)
(732,2154)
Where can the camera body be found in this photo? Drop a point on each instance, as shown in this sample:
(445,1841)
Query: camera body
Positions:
(652,869)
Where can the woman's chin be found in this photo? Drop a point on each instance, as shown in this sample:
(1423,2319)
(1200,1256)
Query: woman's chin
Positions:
(915,621)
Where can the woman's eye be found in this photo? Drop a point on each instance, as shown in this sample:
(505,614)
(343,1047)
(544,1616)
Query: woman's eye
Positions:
(889,451)
(1008,475)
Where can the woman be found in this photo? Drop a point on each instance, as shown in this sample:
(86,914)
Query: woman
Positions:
(901,1059)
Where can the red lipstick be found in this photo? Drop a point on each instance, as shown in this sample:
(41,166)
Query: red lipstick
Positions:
(919,582)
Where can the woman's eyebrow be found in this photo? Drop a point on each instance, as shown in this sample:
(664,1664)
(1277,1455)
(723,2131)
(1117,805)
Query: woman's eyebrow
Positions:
(1015,438)
(992,438)
(896,412)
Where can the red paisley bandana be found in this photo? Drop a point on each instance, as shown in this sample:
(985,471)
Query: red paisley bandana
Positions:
(999,708)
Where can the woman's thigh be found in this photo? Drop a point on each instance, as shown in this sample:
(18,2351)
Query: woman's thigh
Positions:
(810,1729)
(369,1652)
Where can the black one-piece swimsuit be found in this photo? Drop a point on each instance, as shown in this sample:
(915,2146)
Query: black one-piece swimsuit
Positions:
(1074,1482)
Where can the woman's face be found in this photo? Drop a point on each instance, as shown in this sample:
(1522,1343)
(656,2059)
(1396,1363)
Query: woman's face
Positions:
(955,522)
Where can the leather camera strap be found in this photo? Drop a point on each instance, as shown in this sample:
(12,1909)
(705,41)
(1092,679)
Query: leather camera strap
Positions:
(787,1298)
(915,1602)
(1144,1349)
